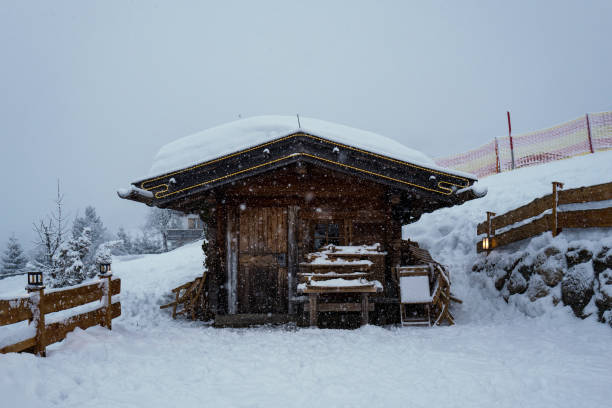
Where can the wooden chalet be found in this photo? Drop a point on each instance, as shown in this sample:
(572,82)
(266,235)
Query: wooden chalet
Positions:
(301,227)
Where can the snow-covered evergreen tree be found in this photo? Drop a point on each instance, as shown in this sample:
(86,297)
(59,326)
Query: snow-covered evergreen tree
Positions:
(145,244)
(126,246)
(68,266)
(161,220)
(104,254)
(13,260)
(99,234)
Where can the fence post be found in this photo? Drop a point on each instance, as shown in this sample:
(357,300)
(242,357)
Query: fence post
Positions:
(555,197)
(105,273)
(511,142)
(588,123)
(490,231)
(37,295)
(497,166)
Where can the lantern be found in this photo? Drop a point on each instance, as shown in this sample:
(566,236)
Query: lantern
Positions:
(35,279)
(485,243)
(105,268)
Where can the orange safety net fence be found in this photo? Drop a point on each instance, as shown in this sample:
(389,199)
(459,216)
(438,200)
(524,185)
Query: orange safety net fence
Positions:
(587,134)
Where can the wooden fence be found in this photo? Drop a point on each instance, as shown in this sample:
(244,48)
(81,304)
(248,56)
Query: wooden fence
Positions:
(34,307)
(543,214)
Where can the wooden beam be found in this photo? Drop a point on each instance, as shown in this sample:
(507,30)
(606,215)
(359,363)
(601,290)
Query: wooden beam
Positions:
(292,255)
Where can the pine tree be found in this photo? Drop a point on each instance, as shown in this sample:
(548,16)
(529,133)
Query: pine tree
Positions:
(126,247)
(13,260)
(68,266)
(92,221)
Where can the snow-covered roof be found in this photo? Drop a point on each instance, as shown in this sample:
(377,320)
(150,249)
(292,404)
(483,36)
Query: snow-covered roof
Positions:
(242,134)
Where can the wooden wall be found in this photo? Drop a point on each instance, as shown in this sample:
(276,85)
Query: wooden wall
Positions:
(259,209)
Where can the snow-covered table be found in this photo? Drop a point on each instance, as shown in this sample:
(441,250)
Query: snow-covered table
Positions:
(315,289)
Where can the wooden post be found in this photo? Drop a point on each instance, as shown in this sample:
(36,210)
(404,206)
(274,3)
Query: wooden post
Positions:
(490,230)
(588,123)
(231,257)
(313,309)
(511,141)
(109,303)
(555,197)
(292,255)
(365,306)
(105,280)
(37,294)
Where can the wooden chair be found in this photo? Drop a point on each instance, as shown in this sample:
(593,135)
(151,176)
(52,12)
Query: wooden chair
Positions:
(415,291)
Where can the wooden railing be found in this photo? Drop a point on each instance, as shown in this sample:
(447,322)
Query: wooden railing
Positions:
(543,214)
(37,304)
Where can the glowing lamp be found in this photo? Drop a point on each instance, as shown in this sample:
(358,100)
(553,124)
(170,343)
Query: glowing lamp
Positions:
(104,267)
(35,278)
(486,243)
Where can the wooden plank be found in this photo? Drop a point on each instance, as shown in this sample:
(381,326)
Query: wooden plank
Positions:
(536,207)
(365,316)
(338,307)
(532,229)
(292,254)
(597,192)
(69,298)
(15,310)
(20,346)
(313,309)
(600,218)
(115,286)
(340,289)
(55,332)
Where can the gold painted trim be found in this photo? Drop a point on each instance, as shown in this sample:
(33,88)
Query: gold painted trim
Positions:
(445,190)
(142,184)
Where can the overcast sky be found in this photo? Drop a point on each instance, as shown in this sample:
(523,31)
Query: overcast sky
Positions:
(89,91)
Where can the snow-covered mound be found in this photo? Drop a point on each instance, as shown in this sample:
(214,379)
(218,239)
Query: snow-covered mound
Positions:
(242,134)
(146,280)
(450,233)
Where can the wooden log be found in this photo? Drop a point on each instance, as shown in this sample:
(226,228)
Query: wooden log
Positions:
(15,310)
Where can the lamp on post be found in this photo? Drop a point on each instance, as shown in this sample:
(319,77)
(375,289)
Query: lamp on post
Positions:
(35,281)
(104,269)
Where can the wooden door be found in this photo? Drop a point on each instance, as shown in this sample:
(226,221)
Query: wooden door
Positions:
(262,270)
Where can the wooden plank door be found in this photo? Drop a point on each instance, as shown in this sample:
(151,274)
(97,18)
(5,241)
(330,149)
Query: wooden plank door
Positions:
(262,269)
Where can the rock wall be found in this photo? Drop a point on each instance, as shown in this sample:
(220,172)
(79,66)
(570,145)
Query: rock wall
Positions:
(577,274)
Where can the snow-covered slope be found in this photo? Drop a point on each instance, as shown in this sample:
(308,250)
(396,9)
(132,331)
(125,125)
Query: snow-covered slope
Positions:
(242,134)
(450,233)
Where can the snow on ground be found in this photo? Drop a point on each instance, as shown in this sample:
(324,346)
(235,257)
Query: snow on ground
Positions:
(494,356)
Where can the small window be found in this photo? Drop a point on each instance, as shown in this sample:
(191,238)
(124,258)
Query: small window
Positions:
(326,233)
